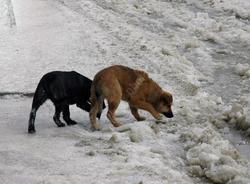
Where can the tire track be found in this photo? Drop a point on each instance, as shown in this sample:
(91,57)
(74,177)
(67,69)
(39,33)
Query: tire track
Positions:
(21,94)
(7,13)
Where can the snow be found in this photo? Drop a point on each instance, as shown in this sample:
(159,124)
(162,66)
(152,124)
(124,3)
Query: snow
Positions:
(237,116)
(212,157)
(139,131)
(196,49)
(242,69)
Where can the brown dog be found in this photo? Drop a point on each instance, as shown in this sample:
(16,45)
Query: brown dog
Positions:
(134,86)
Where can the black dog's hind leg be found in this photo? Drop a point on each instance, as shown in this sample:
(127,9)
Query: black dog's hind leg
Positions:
(86,107)
(66,116)
(56,117)
(39,98)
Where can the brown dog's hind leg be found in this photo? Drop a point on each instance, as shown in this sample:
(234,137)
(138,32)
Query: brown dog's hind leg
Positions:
(135,113)
(113,104)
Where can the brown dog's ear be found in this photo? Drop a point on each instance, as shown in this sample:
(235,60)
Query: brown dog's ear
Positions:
(170,97)
(167,98)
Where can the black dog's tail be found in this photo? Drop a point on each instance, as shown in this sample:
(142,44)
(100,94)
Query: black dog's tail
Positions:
(39,98)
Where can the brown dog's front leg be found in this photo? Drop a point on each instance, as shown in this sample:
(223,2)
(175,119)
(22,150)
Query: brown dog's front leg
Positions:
(135,113)
(147,107)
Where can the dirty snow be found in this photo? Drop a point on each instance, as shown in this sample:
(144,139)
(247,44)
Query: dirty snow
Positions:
(199,50)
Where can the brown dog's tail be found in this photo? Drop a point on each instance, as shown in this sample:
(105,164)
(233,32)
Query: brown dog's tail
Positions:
(96,100)
(92,97)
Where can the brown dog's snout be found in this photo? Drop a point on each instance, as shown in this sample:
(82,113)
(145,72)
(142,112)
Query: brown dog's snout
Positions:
(168,114)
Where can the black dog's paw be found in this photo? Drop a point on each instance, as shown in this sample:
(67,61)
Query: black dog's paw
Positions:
(71,123)
(60,124)
(31,131)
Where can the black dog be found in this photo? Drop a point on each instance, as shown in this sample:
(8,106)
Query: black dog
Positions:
(63,89)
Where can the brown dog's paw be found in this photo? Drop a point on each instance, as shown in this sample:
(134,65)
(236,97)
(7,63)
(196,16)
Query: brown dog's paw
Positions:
(96,127)
(160,120)
(117,124)
(158,116)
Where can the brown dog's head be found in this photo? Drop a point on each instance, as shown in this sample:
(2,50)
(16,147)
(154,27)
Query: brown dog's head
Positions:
(164,104)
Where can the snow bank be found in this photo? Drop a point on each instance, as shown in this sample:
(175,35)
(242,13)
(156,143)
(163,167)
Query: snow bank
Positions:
(243,70)
(236,116)
(210,156)
(239,180)
(139,131)
(205,28)
(238,8)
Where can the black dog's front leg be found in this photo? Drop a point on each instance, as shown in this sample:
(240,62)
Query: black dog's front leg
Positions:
(56,117)
(66,116)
